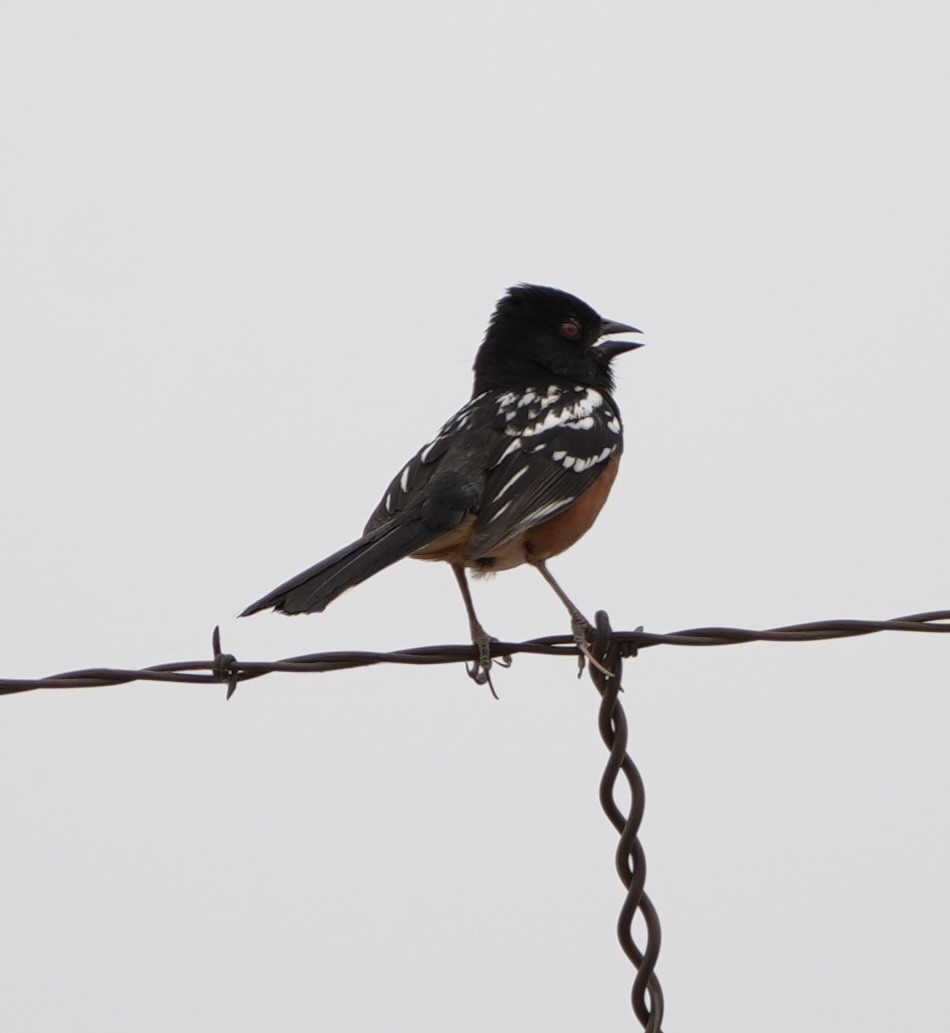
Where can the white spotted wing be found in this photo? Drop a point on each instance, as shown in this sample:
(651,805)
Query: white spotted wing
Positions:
(529,454)
(553,445)
(417,473)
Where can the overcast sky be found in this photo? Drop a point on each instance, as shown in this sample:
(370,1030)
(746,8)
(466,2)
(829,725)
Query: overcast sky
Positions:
(248,252)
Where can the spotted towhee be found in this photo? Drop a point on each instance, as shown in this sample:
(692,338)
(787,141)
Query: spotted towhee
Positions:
(516,476)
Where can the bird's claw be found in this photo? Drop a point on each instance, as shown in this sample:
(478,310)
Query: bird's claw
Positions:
(583,635)
(480,670)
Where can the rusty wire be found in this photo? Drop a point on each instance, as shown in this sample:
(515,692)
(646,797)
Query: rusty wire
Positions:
(646,997)
(224,667)
(608,649)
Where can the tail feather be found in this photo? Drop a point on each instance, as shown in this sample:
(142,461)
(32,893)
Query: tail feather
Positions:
(445,502)
(317,587)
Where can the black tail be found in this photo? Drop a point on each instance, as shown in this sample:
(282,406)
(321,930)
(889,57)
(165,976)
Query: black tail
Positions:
(444,503)
(317,587)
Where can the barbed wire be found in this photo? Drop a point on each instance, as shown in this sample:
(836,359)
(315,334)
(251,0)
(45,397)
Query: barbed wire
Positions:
(608,649)
(225,667)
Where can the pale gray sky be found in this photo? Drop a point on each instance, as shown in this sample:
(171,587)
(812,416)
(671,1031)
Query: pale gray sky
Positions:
(248,254)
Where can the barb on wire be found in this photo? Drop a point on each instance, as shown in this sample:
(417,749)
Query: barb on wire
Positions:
(608,651)
(646,995)
(225,667)
(225,664)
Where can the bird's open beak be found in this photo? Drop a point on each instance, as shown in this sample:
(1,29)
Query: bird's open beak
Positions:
(615,348)
(608,326)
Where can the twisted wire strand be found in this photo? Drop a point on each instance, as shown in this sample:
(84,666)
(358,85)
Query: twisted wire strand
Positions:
(646,996)
(224,667)
(609,649)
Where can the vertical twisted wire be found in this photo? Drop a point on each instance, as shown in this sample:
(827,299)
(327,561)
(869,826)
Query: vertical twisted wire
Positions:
(646,996)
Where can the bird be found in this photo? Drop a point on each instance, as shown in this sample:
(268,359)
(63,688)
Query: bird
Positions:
(515,477)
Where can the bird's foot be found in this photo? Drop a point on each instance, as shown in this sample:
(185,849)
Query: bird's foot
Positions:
(584,633)
(480,670)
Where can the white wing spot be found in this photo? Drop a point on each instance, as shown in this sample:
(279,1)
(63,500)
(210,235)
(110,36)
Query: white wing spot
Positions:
(500,511)
(553,418)
(613,425)
(389,502)
(404,479)
(513,447)
(582,408)
(585,464)
(424,454)
(543,511)
(509,482)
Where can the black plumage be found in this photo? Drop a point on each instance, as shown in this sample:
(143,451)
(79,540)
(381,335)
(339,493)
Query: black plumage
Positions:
(540,429)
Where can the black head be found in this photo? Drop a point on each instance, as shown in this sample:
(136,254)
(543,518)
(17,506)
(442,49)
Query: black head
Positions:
(539,336)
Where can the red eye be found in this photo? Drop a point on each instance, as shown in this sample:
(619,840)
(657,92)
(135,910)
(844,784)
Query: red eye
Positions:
(571,329)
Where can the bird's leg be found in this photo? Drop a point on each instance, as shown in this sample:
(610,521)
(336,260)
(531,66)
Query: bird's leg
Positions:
(480,670)
(581,627)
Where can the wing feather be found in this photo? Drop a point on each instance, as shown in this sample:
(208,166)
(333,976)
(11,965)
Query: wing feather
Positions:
(553,448)
(417,473)
(529,454)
